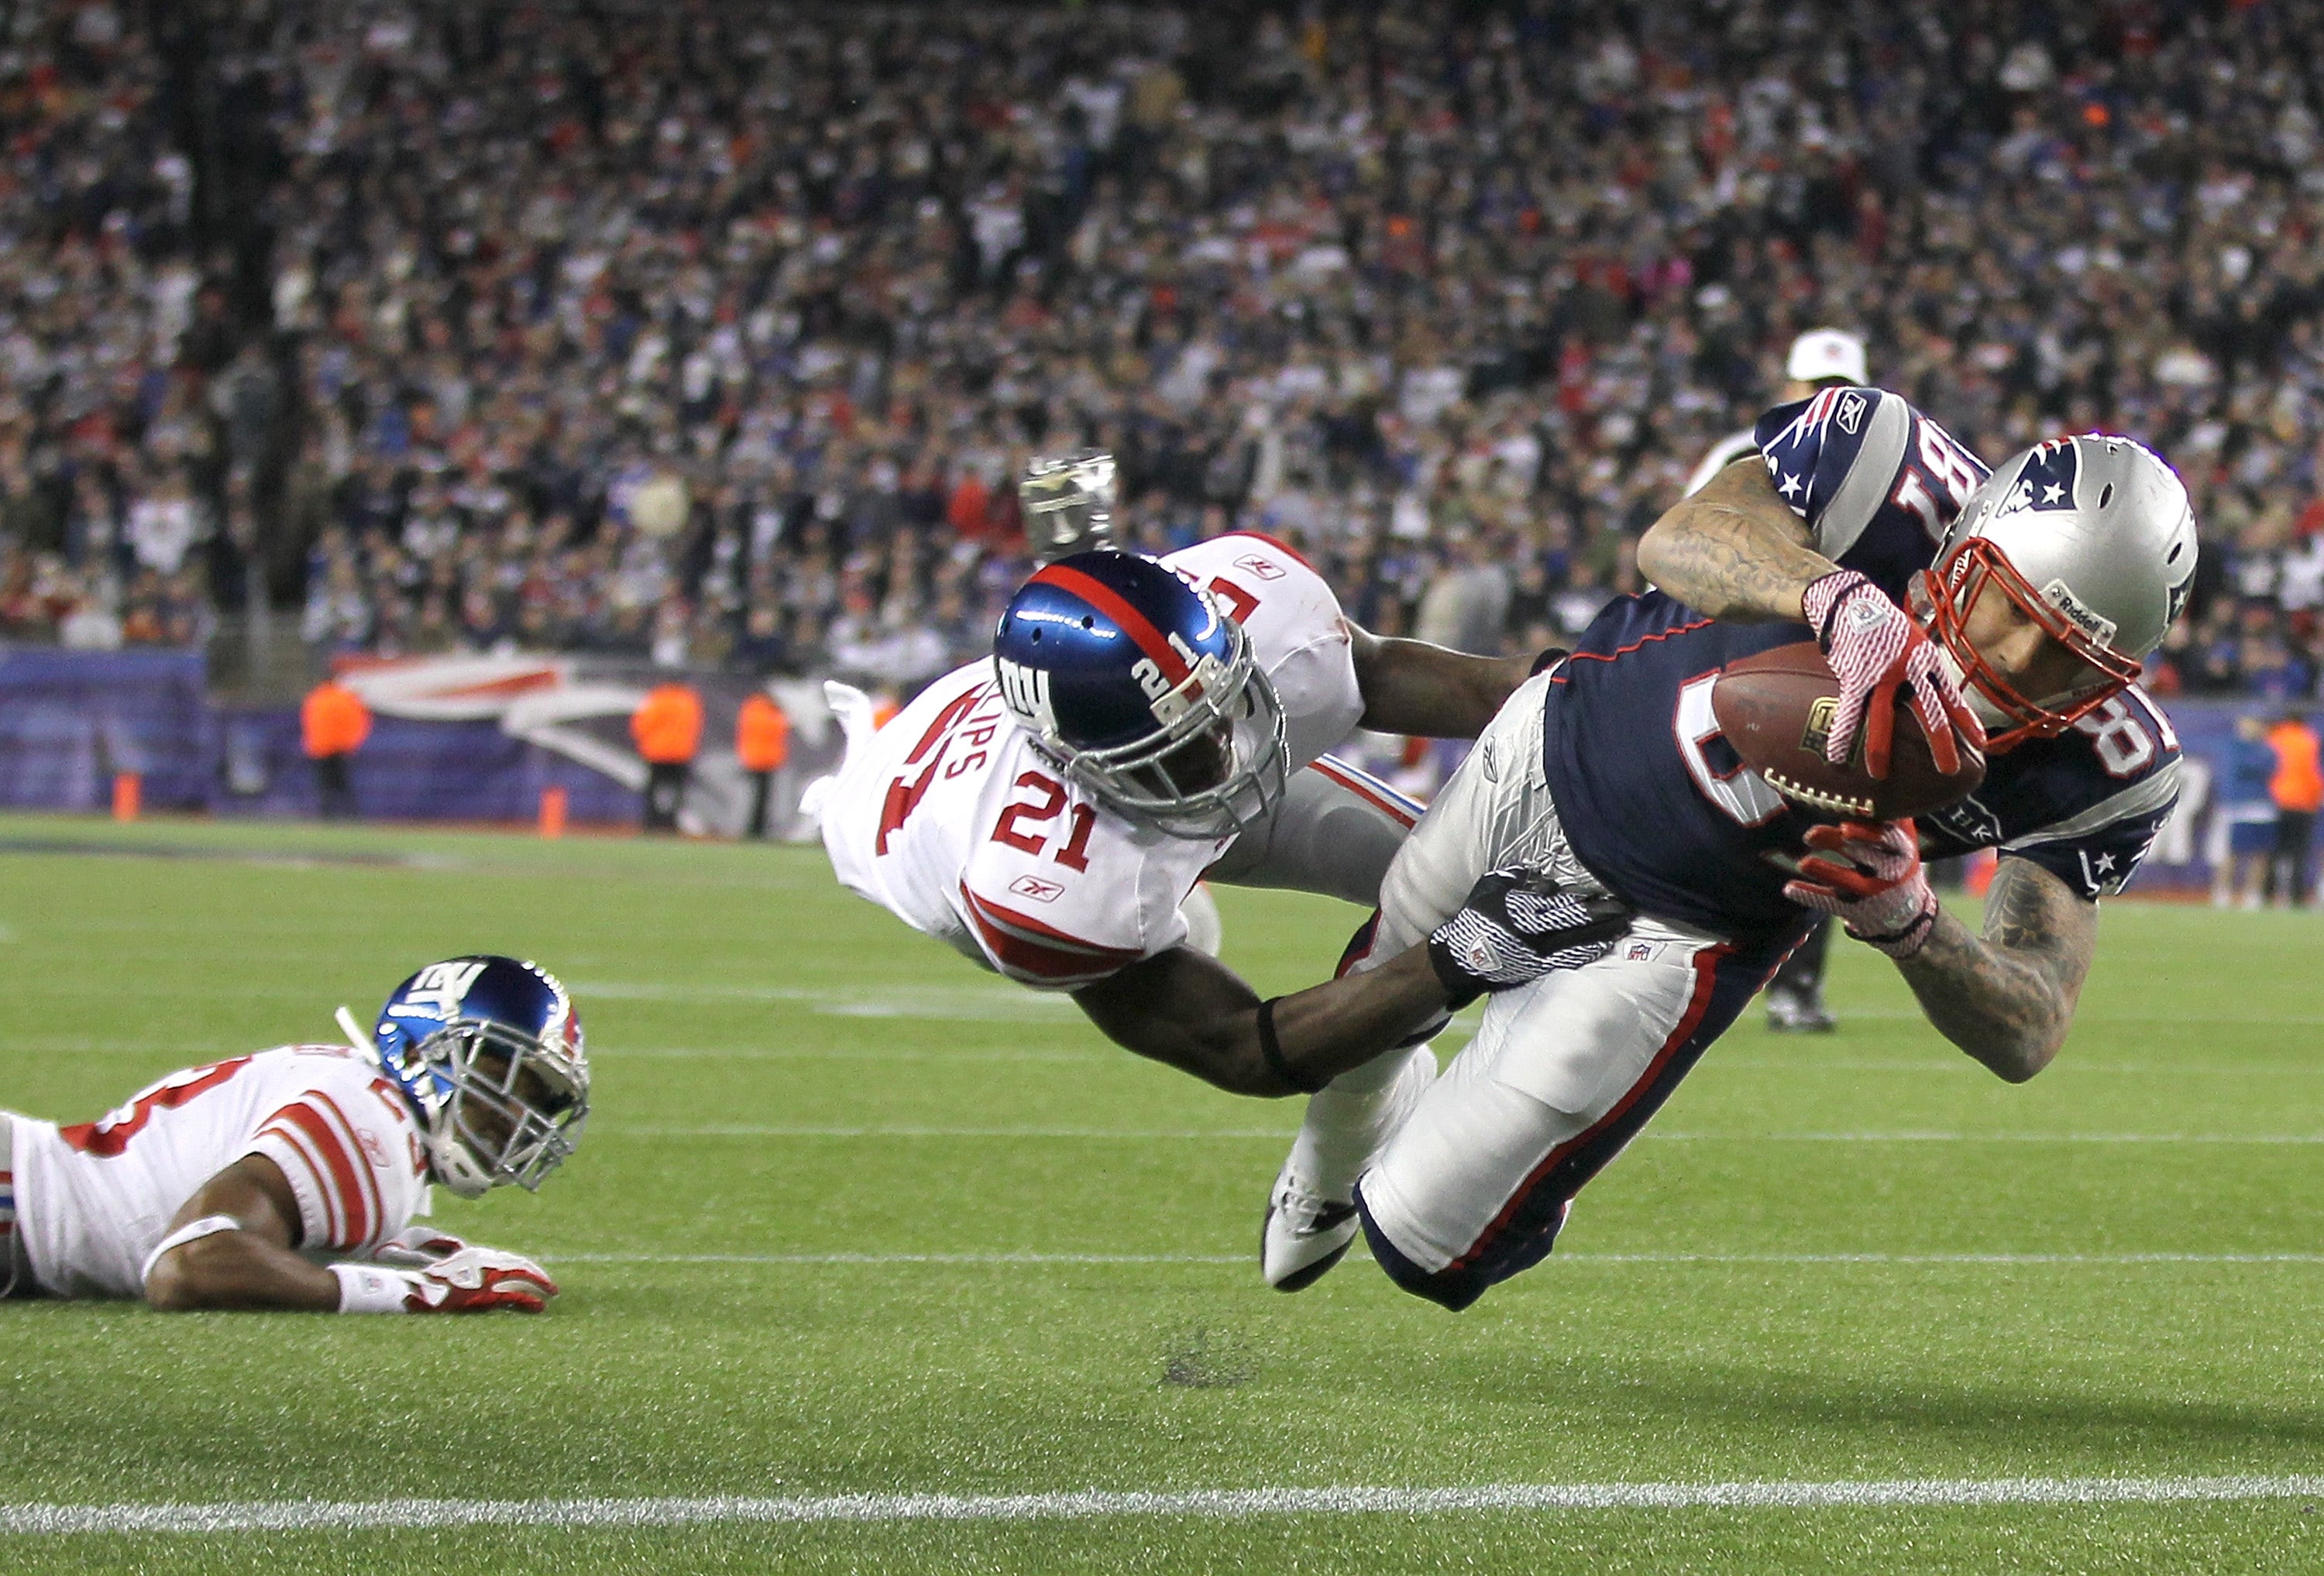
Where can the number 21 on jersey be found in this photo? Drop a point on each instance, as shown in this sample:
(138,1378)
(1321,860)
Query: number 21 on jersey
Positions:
(1048,798)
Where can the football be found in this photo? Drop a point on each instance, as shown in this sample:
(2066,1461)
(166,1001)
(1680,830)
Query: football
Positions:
(1776,708)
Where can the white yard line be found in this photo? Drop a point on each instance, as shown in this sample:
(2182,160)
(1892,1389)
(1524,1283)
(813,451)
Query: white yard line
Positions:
(899,1259)
(1676,1257)
(1284,1134)
(1081,1504)
(785,1131)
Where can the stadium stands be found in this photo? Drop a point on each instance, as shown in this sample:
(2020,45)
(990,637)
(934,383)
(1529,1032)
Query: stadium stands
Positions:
(716,334)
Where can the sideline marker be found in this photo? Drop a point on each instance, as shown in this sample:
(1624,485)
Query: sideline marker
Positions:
(552,812)
(128,789)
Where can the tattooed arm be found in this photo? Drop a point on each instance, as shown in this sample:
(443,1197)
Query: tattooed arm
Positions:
(2007,999)
(1735,551)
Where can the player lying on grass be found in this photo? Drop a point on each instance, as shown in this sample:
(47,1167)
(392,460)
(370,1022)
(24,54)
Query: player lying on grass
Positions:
(1142,724)
(288,1179)
(2051,579)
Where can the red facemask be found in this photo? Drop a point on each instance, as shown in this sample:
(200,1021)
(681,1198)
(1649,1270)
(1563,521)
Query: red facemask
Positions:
(1977,568)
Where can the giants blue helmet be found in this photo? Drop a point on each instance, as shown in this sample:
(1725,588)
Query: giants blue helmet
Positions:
(488,1051)
(1145,692)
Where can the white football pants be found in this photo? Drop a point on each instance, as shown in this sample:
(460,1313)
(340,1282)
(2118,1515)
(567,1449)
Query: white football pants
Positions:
(1474,1184)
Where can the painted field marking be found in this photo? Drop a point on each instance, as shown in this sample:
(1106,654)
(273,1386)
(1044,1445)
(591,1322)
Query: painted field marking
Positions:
(899,1259)
(2116,1260)
(840,1053)
(751,1130)
(956,1003)
(1284,1134)
(1079,1504)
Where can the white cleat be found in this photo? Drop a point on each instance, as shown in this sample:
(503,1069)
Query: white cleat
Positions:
(1311,1214)
(1304,1235)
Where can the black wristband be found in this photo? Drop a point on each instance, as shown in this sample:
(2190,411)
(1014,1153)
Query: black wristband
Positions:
(1460,990)
(1551,655)
(1270,1050)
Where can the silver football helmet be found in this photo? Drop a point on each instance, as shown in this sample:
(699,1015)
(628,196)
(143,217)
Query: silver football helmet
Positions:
(1068,503)
(2092,538)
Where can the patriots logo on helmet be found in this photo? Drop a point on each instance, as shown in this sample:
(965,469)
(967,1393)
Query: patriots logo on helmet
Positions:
(2046,480)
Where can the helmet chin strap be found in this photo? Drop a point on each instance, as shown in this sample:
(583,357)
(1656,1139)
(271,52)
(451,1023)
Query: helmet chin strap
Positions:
(448,1160)
(453,1167)
(356,1034)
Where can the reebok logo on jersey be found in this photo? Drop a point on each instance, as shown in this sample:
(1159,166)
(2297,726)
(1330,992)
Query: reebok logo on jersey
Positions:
(373,1147)
(1035,888)
(1265,569)
(1850,414)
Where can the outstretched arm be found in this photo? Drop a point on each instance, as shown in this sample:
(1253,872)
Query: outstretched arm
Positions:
(243,1221)
(251,1265)
(2007,997)
(1735,551)
(1195,1014)
(1411,687)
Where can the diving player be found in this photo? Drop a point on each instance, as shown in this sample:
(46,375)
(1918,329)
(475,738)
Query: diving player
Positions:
(2046,583)
(288,1179)
(1143,723)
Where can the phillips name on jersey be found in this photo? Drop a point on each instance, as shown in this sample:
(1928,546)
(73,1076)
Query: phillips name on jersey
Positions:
(1656,801)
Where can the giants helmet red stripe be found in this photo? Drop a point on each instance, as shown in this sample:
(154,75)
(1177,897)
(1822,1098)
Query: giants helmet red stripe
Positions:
(1133,624)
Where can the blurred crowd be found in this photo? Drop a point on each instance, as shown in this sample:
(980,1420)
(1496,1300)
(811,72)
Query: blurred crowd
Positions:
(716,332)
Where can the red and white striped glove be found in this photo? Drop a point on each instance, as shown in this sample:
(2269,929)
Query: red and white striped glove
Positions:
(1881,894)
(474,1280)
(1874,648)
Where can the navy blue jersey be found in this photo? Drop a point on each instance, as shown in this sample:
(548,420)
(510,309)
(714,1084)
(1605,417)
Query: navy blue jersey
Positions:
(1876,482)
(1656,801)
(1657,804)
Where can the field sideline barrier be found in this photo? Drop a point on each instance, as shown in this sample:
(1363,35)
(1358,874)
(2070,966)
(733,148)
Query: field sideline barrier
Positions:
(490,738)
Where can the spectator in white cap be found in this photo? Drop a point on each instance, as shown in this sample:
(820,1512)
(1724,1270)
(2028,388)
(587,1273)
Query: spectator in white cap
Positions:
(1821,358)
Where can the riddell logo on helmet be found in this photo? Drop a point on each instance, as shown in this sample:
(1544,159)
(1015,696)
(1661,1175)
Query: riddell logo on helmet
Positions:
(2061,595)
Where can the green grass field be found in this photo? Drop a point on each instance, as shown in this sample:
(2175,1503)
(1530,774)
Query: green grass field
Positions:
(853,1218)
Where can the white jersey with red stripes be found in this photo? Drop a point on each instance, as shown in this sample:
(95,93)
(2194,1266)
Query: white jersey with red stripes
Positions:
(93,1199)
(953,818)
